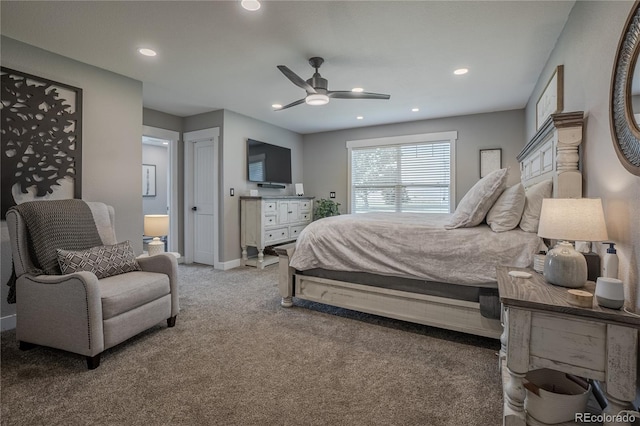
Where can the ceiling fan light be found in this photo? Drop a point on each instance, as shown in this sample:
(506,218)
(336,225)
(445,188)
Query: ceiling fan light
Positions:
(316,99)
(251,5)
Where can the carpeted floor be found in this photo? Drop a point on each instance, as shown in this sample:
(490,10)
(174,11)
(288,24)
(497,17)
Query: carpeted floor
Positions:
(236,357)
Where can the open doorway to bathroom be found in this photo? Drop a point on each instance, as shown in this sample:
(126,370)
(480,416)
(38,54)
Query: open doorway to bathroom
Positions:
(159,181)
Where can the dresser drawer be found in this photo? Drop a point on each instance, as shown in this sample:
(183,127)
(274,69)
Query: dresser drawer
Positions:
(270,208)
(304,217)
(270,220)
(296,230)
(278,234)
(305,206)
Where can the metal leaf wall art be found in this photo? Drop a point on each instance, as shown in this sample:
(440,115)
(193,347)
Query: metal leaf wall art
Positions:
(41,139)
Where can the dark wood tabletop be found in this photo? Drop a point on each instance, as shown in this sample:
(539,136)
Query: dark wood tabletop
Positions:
(536,294)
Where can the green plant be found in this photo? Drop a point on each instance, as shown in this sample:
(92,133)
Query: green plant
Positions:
(325,208)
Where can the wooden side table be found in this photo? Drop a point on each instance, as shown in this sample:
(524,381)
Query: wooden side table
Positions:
(543,330)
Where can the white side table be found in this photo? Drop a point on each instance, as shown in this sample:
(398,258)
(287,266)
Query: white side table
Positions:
(175,253)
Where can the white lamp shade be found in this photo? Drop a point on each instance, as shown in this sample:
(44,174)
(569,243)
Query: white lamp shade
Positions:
(572,219)
(156,225)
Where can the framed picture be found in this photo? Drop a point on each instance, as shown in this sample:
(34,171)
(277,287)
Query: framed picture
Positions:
(551,100)
(148,180)
(490,160)
(45,163)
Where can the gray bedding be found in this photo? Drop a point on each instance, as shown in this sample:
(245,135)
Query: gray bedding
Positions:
(411,245)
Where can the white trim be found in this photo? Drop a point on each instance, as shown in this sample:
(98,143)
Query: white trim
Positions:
(451,136)
(189,139)
(173,138)
(230,264)
(8,322)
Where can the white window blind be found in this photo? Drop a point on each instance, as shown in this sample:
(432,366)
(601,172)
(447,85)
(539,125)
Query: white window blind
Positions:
(406,177)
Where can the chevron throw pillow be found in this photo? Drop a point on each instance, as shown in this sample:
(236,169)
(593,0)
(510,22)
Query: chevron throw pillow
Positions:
(103,261)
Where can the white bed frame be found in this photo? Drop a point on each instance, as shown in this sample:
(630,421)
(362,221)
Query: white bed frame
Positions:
(551,154)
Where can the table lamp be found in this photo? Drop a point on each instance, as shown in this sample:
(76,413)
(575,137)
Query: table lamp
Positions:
(570,219)
(156,226)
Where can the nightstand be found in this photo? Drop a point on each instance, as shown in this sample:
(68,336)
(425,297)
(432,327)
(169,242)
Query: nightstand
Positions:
(543,330)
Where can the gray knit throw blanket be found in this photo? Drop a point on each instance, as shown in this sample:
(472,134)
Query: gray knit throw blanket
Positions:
(64,224)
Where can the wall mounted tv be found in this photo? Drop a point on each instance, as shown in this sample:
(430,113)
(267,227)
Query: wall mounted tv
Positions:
(267,163)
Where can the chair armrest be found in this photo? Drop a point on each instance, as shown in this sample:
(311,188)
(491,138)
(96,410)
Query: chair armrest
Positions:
(164,263)
(61,311)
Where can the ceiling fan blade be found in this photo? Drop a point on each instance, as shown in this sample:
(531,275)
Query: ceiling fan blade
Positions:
(356,95)
(292,104)
(296,80)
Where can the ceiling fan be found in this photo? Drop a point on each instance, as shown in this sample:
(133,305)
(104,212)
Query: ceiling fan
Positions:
(316,88)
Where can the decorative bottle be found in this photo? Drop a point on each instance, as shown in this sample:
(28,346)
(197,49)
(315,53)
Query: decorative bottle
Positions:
(610,262)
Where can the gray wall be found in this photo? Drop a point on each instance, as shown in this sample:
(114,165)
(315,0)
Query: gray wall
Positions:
(587,48)
(325,154)
(112,153)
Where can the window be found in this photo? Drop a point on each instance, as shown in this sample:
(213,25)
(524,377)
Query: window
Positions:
(412,173)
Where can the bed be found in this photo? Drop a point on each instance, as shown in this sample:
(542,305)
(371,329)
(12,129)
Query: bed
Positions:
(420,268)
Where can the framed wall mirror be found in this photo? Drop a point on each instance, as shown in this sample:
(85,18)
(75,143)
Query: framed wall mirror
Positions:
(625,94)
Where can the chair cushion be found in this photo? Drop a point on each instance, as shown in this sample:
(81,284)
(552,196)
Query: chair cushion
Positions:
(124,292)
(103,261)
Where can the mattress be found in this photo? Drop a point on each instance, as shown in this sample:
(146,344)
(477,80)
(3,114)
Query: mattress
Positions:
(413,246)
(486,294)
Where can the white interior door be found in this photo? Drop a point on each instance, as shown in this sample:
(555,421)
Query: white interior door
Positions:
(201,195)
(203,202)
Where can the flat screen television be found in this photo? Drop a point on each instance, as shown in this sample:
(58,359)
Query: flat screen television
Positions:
(267,163)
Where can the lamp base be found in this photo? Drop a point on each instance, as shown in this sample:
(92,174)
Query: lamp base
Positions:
(155,247)
(565,267)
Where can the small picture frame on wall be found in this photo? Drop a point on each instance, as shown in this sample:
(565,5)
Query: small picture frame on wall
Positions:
(551,100)
(490,160)
(148,180)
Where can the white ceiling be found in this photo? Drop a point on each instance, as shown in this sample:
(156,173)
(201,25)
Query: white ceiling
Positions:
(214,54)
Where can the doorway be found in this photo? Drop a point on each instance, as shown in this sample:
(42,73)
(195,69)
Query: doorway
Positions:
(160,162)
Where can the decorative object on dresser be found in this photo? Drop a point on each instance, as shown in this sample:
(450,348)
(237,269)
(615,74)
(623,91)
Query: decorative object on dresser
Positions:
(610,292)
(624,125)
(542,329)
(156,226)
(573,219)
(271,220)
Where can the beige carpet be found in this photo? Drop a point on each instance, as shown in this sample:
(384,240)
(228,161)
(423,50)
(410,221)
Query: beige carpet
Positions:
(236,357)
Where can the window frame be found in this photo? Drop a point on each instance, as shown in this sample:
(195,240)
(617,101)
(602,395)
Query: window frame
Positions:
(451,137)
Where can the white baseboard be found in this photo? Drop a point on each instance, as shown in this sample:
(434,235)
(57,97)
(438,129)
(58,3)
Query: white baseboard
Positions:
(8,322)
(230,264)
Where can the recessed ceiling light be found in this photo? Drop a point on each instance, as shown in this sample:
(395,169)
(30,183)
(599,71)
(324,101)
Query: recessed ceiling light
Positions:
(276,106)
(251,5)
(359,117)
(357,89)
(461,71)
(415,109)
(147,52)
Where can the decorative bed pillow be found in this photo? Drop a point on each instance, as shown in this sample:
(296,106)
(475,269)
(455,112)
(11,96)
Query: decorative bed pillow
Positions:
(533,204)
(507,210)
(476,203)
(103,261)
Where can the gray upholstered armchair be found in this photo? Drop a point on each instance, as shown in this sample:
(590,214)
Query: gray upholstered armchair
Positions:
(78,312)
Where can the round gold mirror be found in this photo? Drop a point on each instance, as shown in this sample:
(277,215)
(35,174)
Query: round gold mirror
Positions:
(624,125)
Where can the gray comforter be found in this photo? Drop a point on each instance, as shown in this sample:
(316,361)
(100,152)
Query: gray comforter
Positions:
(411,245)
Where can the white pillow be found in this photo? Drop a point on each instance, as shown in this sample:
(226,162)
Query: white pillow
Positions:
(476,203)
(507,210)
(533,204)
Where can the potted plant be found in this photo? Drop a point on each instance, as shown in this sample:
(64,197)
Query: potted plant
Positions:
(325,208)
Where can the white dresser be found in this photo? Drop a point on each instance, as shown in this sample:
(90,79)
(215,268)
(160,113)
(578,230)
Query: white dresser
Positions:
(266,221)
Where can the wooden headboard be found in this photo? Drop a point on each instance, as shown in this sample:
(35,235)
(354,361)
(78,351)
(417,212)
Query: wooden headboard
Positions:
(553,154)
